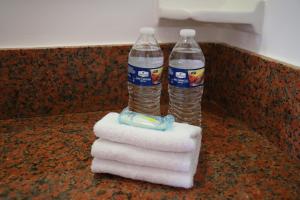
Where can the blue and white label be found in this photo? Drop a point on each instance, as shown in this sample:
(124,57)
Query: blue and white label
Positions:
(144,76)
(186,78)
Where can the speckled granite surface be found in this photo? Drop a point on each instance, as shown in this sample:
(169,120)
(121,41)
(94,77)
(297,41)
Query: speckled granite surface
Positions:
(49,158)
(263,93)
(260,91)
(37,82)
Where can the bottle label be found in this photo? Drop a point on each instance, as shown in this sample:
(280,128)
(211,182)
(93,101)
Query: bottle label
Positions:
(186,78)
(144,76)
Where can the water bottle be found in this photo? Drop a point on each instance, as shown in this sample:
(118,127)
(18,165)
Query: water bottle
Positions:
(186,79)
(144,74)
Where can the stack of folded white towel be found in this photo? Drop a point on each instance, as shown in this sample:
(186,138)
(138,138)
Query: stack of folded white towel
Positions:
(166,157)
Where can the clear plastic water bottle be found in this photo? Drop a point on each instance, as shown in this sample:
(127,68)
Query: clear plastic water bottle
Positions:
(144,74)
(186,79)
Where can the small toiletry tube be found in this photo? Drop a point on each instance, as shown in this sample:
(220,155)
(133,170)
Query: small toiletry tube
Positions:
(146,121)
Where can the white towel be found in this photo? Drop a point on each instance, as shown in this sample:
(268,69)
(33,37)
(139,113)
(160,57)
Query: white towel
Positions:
(180,161)
(153,175)
(178,139)
(150,174)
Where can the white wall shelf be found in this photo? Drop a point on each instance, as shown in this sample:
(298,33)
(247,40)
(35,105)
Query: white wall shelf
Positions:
(249,12)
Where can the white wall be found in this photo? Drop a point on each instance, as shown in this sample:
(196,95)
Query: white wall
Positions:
(280,37)
(41,23)
(44,23)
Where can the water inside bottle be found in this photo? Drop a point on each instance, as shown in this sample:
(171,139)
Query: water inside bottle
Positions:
(185,96)
(146,98)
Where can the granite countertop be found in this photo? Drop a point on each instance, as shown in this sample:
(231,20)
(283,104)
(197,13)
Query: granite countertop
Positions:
(49,157)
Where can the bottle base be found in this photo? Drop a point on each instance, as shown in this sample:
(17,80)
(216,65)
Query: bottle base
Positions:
(195,122)
(144,99)
(185,104)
